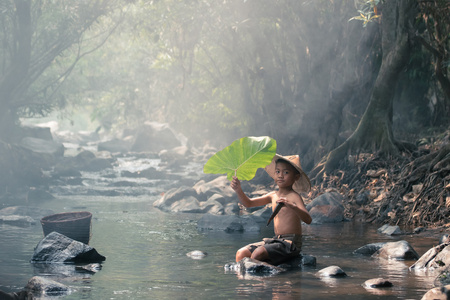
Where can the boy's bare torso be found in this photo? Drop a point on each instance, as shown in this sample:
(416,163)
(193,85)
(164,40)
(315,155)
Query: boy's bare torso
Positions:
(286,221)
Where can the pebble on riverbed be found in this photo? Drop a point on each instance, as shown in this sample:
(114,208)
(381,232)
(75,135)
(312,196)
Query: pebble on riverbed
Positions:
(197,254)
(332,271)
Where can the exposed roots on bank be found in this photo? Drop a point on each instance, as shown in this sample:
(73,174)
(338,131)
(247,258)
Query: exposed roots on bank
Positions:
(413,190)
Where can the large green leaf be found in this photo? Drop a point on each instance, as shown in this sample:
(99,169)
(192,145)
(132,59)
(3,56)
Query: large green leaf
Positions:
(243,157)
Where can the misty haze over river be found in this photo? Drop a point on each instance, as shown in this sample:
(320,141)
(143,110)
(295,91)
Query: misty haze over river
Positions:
(146,248)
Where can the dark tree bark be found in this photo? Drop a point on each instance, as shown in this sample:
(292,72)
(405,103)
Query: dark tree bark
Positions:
(436,16)
(374,131)
(18,68)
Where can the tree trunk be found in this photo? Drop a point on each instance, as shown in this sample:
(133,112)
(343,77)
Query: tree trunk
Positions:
(18,68)
(374,131)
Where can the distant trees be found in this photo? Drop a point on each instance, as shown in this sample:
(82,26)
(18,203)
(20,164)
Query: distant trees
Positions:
(41,42)
(298,71)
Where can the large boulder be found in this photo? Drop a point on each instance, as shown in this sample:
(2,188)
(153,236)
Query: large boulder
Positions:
(326,208)
(219,185)
(213,206)
(115,145)
(18,167)
(83,161)
(436,258)
(174,195)
(400,250)
(44,150)
(187,205)
(154,137)
(58,248)
(175,157)
(40,132)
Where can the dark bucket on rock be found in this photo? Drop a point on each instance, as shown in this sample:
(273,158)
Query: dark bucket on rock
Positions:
(75,225)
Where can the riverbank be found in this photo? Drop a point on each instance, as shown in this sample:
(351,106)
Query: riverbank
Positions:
(410,191)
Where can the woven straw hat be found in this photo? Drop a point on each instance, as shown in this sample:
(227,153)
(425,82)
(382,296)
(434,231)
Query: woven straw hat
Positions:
(303,184)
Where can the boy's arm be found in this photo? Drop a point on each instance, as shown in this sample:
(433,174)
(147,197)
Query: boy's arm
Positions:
(244,199)
(299,207)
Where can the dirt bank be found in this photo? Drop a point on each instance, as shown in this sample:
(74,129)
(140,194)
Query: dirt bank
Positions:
(411,191)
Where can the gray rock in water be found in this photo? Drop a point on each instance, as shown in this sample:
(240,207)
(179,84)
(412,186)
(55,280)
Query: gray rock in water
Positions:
(115,145)
(219,185)
(400,250)
(31,211)
(42,285)
(256,267)
(14,220)
(173,196)
(58,248)
(42,146)
(369,249)
(377,283)
(197,254)
(187,205)
(309,260)
(390,230)
(332,271)
(153,137)
(212,206)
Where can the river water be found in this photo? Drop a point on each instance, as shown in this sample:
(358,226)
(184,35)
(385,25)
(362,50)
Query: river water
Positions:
(145,252)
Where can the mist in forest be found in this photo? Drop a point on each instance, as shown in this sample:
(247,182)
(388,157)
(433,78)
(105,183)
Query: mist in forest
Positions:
(301,72)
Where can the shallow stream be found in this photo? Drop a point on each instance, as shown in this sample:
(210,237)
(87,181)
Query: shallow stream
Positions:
(146,250)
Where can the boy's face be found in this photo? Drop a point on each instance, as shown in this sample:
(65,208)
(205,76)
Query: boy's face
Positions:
(285,174)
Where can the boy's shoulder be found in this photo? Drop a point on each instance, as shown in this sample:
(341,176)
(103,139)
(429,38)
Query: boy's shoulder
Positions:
(294,194)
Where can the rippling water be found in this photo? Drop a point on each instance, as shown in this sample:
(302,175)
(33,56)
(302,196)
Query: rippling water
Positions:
(146,258)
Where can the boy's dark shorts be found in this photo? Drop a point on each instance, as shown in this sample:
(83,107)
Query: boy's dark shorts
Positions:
(280,248)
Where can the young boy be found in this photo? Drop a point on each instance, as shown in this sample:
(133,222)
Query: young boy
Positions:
(287,242)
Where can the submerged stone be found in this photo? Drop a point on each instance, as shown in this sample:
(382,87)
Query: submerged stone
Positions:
(42,285)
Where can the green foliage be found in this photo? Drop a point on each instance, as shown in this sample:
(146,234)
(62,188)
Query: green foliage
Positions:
(242,158)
